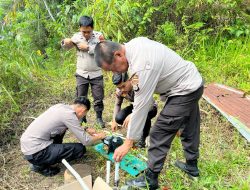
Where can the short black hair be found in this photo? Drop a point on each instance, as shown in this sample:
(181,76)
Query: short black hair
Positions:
(83,101)
(86,21)
(104,51)
(117,78)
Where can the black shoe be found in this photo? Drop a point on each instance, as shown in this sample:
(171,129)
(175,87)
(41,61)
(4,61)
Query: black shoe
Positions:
(141,143)
(148,180)
(45,171)
(100,122)
(191,169)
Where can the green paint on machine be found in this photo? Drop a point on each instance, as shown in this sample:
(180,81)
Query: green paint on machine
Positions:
(130,163)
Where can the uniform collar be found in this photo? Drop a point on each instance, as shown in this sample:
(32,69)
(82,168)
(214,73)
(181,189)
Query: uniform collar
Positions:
(128,56)
(91,38)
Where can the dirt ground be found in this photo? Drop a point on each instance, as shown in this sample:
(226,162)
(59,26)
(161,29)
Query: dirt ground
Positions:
(14,169)
(15,173)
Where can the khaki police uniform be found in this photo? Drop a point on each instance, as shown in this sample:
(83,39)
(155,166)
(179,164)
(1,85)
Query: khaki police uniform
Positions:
(120,115)
(87,71)
(41,143)
(160,70)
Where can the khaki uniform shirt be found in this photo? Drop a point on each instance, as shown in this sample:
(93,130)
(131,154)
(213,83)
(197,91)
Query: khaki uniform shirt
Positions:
(119,100)
(159,70)
(55,121)
(130,98)
(86,65)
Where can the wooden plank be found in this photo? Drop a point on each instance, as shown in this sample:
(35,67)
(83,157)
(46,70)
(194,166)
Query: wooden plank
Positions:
(231,104)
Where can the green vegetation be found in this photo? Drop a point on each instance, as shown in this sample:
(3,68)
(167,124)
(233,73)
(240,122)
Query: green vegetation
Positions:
(214,34)
(224,61)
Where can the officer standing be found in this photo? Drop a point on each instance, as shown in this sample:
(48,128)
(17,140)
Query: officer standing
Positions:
(87,72)
(154,68)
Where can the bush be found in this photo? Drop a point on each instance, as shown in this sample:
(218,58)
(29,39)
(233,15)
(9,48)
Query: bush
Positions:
(193,28)
(166,34)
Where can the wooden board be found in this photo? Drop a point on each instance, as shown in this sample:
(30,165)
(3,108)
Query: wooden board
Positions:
(232,104)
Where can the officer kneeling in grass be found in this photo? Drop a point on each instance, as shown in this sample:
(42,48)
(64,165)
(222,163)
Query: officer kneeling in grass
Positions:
(125,90)
(42,145)
(154,68)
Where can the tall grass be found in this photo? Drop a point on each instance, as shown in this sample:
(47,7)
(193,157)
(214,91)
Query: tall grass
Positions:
(223,61)
(187,26)
(25,75)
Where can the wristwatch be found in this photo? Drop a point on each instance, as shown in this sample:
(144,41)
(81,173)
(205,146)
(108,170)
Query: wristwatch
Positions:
(136,87)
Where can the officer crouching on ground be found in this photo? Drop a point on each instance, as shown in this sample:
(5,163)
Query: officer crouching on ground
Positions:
(41,143)
(155,68)
(125,90)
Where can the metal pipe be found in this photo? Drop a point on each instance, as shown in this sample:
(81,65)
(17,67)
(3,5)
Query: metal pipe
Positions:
(108,172)
(143,157)
(117,164)
(76,175)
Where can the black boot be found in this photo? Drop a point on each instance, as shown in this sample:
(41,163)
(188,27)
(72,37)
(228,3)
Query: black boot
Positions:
(99,119)
(45,171)
(190,167)
(148,179)
(141,143)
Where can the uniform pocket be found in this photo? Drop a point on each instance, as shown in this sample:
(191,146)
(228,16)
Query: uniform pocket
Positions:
(38,157)
(172,123)
(176,110)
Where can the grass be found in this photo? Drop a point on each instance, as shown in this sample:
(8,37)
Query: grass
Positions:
(224,153)
(224,61)
(224,157)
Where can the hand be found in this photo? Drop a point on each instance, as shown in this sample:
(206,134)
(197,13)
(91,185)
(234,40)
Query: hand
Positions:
(99,136)
(67,41)
(96,137)
(83,46)
(91,131)
(122,150)
(101,38)
(135,80)
(116,94)
(114,126)
(126,121)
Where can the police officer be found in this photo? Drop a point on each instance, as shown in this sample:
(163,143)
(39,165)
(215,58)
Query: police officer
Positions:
(154,68)
(124,90)
(87,72)
(41,143)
